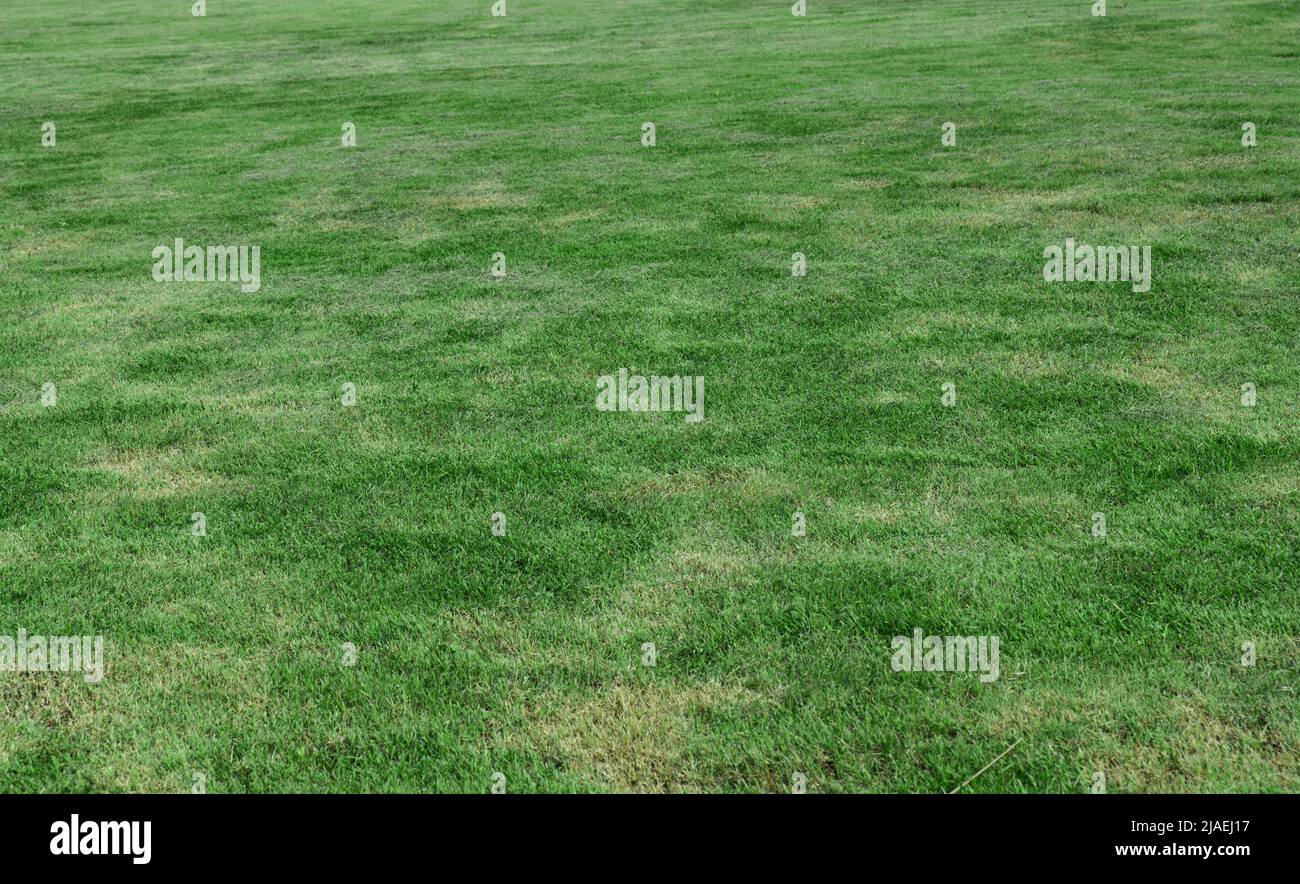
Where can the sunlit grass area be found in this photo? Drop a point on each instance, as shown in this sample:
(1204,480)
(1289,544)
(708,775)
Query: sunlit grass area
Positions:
(350,621)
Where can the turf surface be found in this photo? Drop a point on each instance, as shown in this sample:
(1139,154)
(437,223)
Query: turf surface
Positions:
(522,654)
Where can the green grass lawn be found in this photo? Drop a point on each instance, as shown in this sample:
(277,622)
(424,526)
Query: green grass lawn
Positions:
(522,654)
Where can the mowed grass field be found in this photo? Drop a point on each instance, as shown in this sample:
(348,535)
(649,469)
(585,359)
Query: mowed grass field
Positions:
(523,654)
